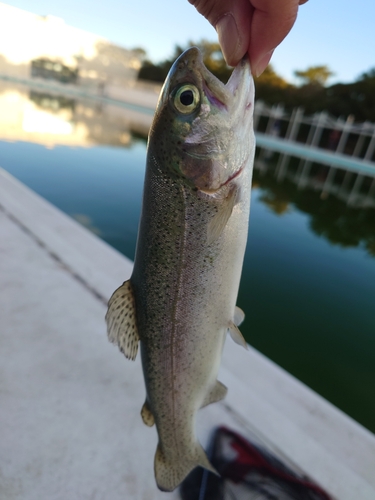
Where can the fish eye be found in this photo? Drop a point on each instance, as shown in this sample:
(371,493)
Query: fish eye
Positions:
(186,99)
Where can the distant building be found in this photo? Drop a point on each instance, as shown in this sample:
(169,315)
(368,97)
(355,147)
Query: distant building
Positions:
(44,47)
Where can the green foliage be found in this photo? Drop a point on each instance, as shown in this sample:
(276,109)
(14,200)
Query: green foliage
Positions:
(370,75)
(272,88)
(314,75)
(212,58)
(356,98)
(270,78)
(153,72)
(140,52)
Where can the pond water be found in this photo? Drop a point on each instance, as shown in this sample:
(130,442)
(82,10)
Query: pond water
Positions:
(308,283)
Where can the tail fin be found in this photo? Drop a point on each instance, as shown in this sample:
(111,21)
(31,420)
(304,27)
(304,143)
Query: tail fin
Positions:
(169,473)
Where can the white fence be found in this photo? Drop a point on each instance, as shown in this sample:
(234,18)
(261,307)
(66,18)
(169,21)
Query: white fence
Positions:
(320,130)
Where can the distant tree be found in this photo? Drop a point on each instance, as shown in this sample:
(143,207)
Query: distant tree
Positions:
(272,88)
(271,78)
(158,72)
(356,98)
(141,53)
(153,72)
(315,75)
(370,75)
(212,58)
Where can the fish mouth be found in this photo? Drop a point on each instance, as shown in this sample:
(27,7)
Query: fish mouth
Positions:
(238,87)
(219,94)
(238,74)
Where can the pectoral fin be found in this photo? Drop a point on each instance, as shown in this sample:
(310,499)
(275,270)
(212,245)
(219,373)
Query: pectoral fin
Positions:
(121,320)
(219,221)
(218,393)
(237,335)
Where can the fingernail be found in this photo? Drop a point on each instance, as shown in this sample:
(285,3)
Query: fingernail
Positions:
(262,64)
(229,39)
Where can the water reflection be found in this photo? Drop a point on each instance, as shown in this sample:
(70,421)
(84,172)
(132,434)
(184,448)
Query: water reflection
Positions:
(51,119)
(51,70)
(86,221)
(340,204)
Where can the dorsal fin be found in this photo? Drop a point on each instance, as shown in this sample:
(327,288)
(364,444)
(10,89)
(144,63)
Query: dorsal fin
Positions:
(121,320)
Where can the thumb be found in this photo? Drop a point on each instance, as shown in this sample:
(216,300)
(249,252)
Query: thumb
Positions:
(231,21)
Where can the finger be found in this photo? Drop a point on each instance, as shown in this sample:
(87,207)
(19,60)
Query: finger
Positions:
(232,21)
(271,22)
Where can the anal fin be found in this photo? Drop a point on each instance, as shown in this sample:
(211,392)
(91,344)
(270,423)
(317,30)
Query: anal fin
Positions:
(218,393)
(121,320)
(237,335)
(146,414)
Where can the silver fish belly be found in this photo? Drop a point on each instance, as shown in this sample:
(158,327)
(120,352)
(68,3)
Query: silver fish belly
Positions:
(180,301)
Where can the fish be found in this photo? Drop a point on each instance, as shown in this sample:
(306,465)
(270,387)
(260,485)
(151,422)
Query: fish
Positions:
(180,301)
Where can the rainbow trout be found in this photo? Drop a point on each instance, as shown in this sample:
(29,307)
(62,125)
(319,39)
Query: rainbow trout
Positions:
(180,301)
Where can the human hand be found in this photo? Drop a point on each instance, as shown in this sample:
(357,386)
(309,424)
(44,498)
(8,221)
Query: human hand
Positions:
(255,27)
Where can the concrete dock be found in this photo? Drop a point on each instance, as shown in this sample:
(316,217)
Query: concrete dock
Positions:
(70,427)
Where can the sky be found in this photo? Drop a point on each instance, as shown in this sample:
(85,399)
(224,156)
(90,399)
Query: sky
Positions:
(336,33)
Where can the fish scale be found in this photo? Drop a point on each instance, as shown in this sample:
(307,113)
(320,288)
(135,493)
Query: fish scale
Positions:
(190,248)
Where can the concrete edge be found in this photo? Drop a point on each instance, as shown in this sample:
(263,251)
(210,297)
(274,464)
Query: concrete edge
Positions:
(90,259)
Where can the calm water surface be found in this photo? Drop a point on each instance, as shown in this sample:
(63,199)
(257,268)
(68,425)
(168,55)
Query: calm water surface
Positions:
(308,284)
